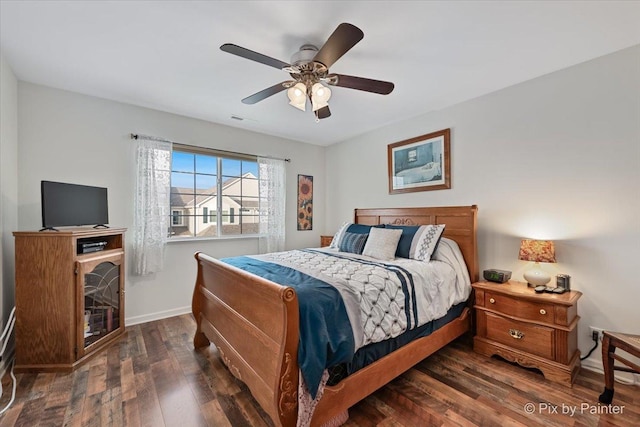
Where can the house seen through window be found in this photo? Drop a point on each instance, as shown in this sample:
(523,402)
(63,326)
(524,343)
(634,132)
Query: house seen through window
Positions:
(213,195)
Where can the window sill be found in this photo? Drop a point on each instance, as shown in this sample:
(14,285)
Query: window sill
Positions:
(201,239)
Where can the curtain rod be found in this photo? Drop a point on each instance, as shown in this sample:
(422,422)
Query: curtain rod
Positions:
(155,138)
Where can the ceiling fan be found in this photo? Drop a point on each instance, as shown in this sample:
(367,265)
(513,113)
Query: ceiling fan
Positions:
(309,70)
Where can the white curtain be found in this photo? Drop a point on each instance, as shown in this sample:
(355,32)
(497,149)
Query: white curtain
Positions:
(272,205)
(152,199)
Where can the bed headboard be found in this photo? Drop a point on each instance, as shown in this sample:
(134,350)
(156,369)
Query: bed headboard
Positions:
(460,221)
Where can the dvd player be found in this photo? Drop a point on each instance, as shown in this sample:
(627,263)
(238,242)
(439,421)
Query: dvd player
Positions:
(88,247)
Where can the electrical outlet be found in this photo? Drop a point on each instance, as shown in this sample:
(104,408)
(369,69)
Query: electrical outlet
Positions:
(593,329)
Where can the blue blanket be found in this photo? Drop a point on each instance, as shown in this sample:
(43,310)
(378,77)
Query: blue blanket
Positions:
(326,338)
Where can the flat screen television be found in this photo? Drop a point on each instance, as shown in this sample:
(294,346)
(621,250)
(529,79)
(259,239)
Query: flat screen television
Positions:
(73,205)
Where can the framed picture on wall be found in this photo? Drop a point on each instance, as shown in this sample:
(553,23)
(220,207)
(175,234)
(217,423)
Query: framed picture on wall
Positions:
(420,164)
(305,202)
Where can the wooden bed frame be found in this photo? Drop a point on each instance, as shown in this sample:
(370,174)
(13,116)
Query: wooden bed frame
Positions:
(253,322)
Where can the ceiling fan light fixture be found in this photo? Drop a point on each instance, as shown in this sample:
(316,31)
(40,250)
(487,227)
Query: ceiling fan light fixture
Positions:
(298,96)
(320,95)
(309,69)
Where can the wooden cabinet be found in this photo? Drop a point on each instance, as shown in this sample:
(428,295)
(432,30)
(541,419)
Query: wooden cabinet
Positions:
(533,330)
(69,296)
(325,241)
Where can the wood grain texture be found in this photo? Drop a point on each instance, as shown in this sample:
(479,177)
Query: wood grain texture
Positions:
(461,225)
(255,326)
(534,330)
(628,344)
(454,386)
(325,241)
(49,327)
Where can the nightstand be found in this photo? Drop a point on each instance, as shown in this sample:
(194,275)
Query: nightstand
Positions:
(533,330)
(325,241)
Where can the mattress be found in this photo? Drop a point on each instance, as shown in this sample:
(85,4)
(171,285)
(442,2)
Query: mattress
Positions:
(373,352)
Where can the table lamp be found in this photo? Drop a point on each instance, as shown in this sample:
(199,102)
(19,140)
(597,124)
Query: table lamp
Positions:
(537,251)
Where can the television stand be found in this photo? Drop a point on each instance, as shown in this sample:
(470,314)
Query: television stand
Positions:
(48,228)
(69,296)
(100,226)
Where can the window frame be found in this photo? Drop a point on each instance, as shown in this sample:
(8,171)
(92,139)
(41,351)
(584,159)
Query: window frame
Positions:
(215,216)
(177,213)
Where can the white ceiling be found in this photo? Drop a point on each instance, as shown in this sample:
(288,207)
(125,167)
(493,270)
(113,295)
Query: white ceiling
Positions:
(165,54)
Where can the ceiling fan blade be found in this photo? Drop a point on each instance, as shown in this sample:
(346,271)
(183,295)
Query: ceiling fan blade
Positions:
(323,112)
(360,83)
(265,93)
(340,41)
(254,56)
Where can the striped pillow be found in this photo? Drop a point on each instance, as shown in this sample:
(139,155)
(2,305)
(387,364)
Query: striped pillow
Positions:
(353,242)
(351,228)
(335,242)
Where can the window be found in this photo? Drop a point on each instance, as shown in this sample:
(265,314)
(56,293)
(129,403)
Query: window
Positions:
(176,217)
(213,195)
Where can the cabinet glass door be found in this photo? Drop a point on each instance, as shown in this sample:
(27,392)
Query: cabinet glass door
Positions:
(99,299)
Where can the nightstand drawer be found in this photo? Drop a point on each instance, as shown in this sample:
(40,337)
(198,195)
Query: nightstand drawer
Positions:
(531,338)
(538,312)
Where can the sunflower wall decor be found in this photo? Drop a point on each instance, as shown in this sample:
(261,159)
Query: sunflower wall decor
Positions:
(305,202)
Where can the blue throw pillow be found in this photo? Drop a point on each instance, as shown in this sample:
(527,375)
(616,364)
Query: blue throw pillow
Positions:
(361,228)
(349,227)
(353,242)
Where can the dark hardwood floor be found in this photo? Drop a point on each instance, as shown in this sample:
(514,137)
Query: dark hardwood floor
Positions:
(153,377)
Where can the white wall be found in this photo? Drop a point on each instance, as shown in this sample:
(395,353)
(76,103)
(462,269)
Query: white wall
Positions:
(557,157)
(74,138)
(8,185)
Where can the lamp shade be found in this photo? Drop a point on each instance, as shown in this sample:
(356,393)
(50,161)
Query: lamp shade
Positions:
(298,96)
(537,251)
(320,94)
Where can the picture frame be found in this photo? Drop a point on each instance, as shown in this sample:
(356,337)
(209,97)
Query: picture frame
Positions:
(305,203)
(422,163)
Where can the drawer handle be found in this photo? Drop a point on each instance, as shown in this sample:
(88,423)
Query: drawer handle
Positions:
(492,301)
(516,334)
(543,311)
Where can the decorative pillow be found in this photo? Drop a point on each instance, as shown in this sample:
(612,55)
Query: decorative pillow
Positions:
(408,232)
(335,243)
(351,228)
(382,243)
(353,242)
(425,242)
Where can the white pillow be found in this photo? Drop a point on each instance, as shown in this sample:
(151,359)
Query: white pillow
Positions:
(425,242)
(382,243)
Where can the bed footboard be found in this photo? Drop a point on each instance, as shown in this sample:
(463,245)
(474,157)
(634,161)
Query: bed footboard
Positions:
(253,322)
(362,383)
